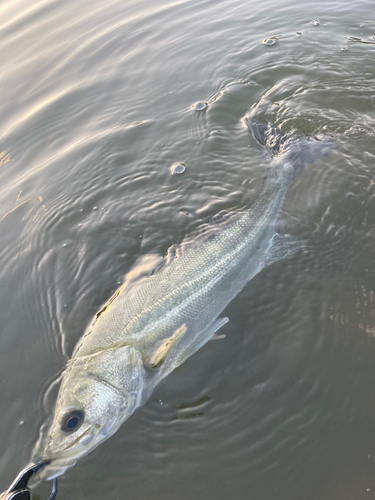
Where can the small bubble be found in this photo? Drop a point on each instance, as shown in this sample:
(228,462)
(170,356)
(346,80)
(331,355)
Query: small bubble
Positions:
(95,208)
(199,106)
(65,245)
(269,41)
(178,168)
(316,22)
(22,422)
(372,38)
(344,48)
(299,33)
(81,210)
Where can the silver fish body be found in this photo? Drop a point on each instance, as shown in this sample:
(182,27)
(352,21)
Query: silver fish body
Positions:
(149,329)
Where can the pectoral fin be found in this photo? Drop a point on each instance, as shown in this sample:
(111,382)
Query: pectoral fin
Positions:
(202,339)
(162,352)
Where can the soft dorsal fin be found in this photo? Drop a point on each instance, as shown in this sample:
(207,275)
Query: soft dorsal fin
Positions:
(162,352)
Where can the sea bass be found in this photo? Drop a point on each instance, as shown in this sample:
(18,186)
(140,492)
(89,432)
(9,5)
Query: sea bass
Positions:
(152,327)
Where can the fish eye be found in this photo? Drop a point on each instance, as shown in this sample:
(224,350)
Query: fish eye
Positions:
(72,420)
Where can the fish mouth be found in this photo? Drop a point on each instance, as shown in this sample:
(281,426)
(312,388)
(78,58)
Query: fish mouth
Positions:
(63,458)
(70,452)
(88,431)
(56,468)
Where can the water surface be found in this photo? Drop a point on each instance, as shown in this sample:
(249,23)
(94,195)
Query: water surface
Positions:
(99,101)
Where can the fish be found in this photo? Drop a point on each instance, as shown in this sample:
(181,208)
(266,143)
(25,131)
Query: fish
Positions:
(149,329)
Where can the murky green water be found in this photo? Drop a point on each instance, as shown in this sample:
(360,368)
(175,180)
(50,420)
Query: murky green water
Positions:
(97,105)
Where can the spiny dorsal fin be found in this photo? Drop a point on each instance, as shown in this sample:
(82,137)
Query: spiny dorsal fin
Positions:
(108,304)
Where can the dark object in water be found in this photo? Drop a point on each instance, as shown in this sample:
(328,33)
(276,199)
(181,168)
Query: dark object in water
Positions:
(19,489)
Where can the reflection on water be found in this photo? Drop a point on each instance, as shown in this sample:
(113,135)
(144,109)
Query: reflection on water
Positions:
(99,100)
(365,309)
(359,40)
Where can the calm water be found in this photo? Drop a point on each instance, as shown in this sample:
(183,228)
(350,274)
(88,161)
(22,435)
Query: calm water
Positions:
(96,106)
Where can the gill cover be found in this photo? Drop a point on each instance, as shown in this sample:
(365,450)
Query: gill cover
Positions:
(98,393)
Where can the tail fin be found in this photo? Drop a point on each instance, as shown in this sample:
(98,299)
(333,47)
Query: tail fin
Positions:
(298,152)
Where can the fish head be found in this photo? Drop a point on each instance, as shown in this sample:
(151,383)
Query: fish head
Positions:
(98,393)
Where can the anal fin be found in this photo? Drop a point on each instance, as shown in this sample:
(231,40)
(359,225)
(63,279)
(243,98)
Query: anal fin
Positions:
(202,339)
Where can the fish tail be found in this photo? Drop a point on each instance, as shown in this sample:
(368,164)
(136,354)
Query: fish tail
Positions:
(299,152)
